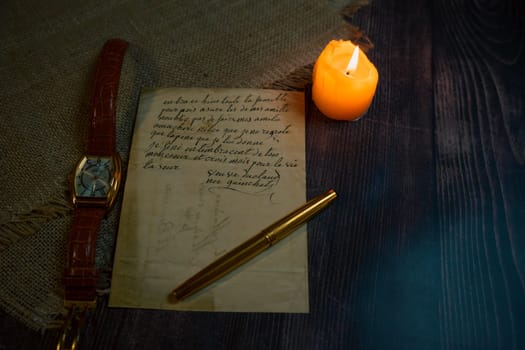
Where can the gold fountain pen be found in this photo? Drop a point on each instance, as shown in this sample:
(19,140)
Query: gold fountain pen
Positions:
(252,247)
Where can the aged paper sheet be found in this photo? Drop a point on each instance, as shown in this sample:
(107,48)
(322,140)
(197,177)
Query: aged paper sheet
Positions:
(208,169)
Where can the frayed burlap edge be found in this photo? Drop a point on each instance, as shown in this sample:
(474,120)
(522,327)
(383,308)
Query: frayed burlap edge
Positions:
(25,224)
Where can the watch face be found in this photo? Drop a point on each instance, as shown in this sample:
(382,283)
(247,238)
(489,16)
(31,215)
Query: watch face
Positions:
(94,177)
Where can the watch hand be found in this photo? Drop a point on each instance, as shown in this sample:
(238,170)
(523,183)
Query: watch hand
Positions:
(88,173)
(104,183)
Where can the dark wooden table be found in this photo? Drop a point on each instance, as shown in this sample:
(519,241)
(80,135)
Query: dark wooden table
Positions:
(425,246)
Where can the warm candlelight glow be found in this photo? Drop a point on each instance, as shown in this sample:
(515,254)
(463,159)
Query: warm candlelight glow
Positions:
(352,64)
(343,89)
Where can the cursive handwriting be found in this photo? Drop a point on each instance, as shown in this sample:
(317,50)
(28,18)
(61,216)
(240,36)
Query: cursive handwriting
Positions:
(236,137)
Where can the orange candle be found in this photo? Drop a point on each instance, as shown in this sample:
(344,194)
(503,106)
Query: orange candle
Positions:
(344,81)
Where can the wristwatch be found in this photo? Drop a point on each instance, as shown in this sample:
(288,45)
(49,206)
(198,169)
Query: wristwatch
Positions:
(96,180)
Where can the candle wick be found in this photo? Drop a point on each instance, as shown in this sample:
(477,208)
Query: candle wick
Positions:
(352,64)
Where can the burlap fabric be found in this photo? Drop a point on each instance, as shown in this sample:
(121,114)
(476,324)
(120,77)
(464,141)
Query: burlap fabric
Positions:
(48,51)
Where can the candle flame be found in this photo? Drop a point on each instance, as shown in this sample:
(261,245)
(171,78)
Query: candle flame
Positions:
(352,64)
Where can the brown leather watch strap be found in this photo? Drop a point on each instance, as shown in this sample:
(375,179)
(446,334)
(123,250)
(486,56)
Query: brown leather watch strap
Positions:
(80,277)
(104,97)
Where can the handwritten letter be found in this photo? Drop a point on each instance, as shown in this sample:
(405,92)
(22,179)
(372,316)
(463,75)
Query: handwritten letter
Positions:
(208,169)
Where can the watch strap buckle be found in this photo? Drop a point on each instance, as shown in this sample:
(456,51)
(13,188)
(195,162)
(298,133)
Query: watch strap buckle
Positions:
(71,329)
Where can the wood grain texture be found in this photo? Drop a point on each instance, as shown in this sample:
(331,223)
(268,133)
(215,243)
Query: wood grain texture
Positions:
(479,85)
(425,246)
